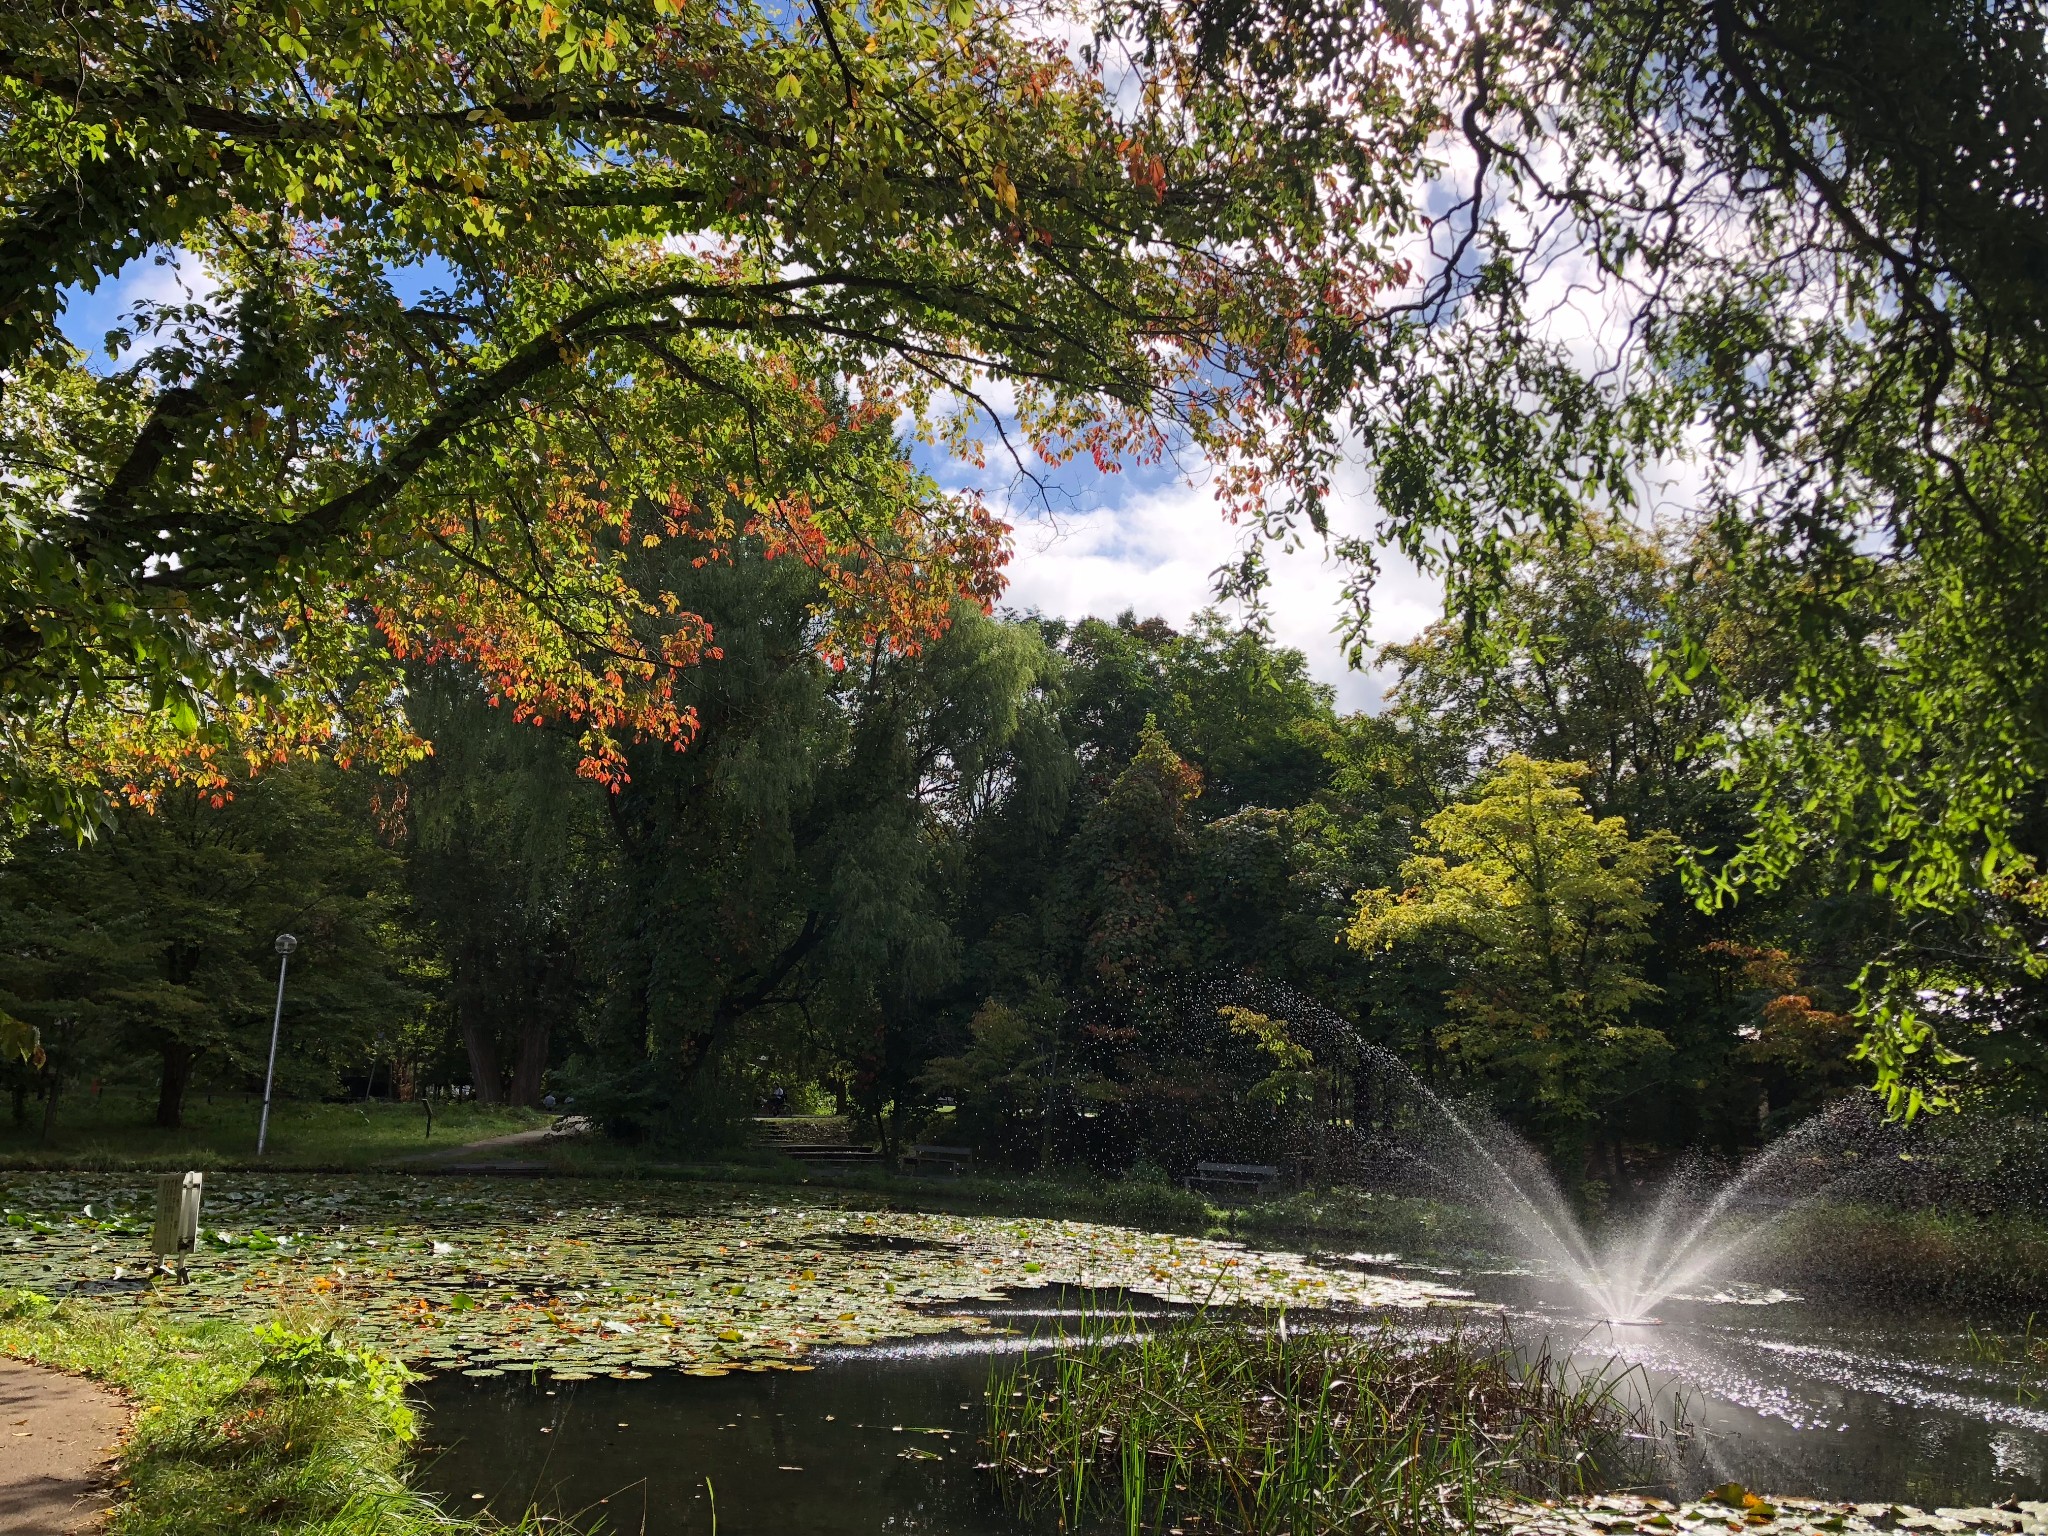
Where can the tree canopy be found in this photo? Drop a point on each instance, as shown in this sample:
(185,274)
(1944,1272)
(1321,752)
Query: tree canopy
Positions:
(497,295)
(1542,910)
(1697,348)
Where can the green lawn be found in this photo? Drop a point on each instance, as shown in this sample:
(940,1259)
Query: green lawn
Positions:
(115,1131)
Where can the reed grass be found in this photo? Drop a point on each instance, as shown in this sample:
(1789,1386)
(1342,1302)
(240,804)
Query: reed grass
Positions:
(1260,1427)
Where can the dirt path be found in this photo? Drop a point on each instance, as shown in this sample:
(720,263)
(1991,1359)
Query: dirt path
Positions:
(556,1133)
(58,1435)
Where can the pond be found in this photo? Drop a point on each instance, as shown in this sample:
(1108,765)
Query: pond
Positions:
(1807,1398)
(735,1334)
(589,1277)
(1778,1393)
(883,1438)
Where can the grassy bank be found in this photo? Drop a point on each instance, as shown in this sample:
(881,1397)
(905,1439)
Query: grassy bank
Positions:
(284,1430)
(1236,1427)
(1958,1257)
(115,1131)
(1325,1219)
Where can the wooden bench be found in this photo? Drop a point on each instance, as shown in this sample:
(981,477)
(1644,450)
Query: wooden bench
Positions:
(1256,1177)
(953,1160)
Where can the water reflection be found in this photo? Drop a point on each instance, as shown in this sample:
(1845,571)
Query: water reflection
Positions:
(877,1440)
(1803,1398)
(1775,1392)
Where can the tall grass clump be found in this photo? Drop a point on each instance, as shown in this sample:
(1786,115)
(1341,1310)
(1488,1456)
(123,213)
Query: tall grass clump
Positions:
(283,1430)
(1260,1427)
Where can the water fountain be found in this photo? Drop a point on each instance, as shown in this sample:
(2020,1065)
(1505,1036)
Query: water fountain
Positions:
(1694,1228)
(1701,1220)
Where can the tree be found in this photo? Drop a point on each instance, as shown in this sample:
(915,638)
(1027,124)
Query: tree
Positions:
(1127,871)
(498,294)
(504,854)
(1011,1095)
(1138,908)
(785,880)
(1567,669)
(1808,260)
(1848,341)
(155,942)
(1541,909)
(1245,711)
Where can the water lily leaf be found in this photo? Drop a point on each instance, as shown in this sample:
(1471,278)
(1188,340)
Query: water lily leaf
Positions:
(590,1277)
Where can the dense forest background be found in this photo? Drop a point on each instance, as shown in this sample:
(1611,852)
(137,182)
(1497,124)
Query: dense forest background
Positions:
(1117,893)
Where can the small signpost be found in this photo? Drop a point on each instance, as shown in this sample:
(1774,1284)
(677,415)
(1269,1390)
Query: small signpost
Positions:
(177,1220)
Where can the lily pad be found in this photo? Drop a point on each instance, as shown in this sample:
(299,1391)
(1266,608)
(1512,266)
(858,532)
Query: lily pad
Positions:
(595,1277)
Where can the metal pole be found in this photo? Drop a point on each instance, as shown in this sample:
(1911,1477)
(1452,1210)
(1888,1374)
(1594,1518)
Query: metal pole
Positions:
(285,945)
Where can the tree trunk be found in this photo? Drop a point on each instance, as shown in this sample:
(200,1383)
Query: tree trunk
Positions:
(531,1061)
(170,1087)
(50,1103)
(482,1045)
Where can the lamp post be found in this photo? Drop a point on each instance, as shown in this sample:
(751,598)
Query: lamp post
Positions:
(285,945)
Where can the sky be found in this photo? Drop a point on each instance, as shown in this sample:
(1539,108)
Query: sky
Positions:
(1155,549)
(1092,544)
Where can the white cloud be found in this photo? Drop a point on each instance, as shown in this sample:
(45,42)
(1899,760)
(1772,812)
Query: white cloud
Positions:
(1156,551)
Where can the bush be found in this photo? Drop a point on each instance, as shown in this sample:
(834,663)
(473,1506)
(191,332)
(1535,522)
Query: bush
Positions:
(301,1363)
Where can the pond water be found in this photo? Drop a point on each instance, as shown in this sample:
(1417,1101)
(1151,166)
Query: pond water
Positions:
(876,1439)
(1808,1399)
(1778,1393)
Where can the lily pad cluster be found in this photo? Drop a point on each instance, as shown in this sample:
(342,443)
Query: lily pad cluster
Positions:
(1736,1509)
(579,1278)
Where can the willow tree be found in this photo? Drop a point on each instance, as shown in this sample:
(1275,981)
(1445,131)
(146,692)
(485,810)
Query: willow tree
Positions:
(1540,910)
(496,292)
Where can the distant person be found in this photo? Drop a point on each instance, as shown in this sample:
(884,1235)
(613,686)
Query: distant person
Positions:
(778,1100)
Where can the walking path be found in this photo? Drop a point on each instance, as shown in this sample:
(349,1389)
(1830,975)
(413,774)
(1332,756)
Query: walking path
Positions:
(560,1131)
(58,1437)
